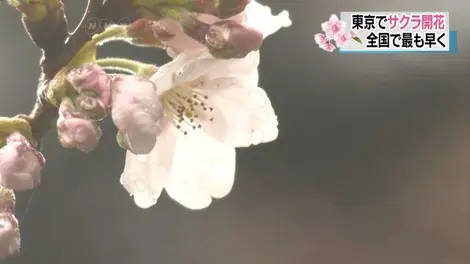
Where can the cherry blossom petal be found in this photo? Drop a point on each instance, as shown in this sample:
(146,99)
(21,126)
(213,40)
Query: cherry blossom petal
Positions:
(203,169)
(223,102)
(241,116)
(191,67)
(260,17)
(145,176)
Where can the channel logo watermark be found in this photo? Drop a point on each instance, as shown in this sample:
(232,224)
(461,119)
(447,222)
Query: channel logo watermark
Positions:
(95,25)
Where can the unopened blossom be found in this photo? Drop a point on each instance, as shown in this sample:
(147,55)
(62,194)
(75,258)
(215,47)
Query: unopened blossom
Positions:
(333,26)
(92,82)
(10,241)
(229,39)
(90,106)
(7,200)
(75,130)
(136,110)
(210,107)
(256,17)
(20,164)
(145,32)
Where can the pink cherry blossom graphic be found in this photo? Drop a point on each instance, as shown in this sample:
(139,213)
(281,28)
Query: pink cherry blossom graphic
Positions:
(328,46)
(334,30)
(333,26)
(342,38)
(320,38)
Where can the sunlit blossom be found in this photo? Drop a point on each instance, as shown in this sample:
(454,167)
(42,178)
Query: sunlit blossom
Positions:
(210,106)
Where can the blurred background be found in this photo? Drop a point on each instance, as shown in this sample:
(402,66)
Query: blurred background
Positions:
(372,165)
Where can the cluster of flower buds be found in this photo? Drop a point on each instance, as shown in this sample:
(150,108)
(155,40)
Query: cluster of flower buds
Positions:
(132,101)
(87,104)
(20,169)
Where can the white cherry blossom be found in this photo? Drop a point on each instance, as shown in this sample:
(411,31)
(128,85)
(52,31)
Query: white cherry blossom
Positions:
(210,107)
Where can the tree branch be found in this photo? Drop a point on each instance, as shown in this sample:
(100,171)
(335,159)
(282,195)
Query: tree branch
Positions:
(74,42)
(49,33)
(111,10)
(43,114)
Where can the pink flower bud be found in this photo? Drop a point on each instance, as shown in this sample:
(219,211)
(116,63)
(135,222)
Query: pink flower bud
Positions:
(7,200)
(75,130)
(20,164)
(136,111)
(229,39)
(90,106)
(10,241)
(145,32)
(92,81)
(224,39)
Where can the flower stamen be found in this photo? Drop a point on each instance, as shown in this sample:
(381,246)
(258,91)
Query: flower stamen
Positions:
(186,106)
